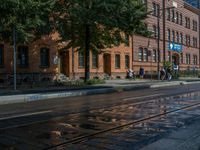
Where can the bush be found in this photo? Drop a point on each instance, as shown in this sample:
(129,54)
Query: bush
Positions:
(95,81)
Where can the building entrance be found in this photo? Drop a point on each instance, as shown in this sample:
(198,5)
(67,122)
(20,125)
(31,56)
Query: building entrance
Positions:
(64,63)
(107,64)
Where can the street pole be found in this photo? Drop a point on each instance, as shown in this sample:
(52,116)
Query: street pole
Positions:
(14,59)
(164,44)
(158,44)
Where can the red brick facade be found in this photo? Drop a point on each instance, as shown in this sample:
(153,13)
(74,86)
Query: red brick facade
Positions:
(106,63)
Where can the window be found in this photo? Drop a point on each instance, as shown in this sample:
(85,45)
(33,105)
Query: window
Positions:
(177,37)
(181,58)
(140,54)
(145,55)
(168,14)
(173,36)
(195,60)
(1,55)
(94,60)
(154,32)
(181,19)
(169,56)
(186,22)
(187,38)
(22,56)
(177,18)
(81,59)
(181,38)
(117,61)
(195,42)
(154,56)
(194,25)
(187,58)
(169,35)
(126,40)
(173,15)
(154,9)
(127,61)
(44,57)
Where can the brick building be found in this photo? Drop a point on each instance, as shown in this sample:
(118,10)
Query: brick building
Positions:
(179,44)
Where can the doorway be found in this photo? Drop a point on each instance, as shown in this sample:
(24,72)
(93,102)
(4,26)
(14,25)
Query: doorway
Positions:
(64,63)
(175,59)
(107,64)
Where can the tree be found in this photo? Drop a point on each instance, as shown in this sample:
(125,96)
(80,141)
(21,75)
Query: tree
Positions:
(30,18)
(22,21)
(98,24)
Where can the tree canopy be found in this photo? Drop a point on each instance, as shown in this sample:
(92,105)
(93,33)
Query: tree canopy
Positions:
(107,20)
(30,18)
(94,25)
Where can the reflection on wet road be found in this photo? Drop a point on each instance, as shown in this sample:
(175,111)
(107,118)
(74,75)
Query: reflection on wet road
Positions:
(134,136)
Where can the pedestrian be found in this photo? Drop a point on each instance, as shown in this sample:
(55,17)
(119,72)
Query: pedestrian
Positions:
(141,72)
(169,75)
(162,74)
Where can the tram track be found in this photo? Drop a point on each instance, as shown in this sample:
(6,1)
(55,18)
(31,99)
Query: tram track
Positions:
(136,122)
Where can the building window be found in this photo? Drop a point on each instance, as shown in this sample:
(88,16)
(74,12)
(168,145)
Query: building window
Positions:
(94,60)
(22,56)
(154,31)
(181,38)
(1,55)
(117,61)
(154,56)
(168,14)
(177,18)
(195,60)
(81,59)
(194,42)
(140,54)
(173,36)
(187,58)
(169,35)
(127,40)
(194,25)
(177,37)
(173,15)
(127,61)
(181,19)
(169,56)
(145,55)
(181,58)
(154,9)
(44,57)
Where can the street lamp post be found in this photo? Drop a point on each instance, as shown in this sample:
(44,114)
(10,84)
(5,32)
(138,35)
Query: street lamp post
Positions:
(158,44)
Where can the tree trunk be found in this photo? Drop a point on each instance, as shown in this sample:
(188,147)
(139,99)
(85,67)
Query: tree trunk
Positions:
(87,52)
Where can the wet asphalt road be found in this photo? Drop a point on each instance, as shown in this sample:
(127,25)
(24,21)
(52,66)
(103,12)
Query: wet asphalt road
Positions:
(45,124)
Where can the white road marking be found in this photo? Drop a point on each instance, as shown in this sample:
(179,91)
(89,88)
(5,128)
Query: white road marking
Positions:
(25,115)
(132,98)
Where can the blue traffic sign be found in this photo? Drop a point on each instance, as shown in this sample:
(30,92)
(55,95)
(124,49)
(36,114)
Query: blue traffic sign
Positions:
(175,47)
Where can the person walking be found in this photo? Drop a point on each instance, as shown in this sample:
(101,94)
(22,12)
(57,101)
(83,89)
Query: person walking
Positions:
(162,74)
(141,72)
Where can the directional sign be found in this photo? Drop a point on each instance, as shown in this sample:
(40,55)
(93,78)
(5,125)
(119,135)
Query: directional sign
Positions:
(175,47)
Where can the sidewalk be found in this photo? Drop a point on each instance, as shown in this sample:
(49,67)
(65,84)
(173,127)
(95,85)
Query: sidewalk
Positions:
(186,138)
(28,95)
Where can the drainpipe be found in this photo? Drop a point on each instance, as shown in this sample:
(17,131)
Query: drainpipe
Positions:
(199,29)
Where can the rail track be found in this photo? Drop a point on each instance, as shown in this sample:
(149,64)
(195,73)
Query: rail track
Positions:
(79,139)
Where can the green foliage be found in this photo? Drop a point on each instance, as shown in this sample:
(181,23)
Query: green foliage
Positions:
(107,20)
(95,81)
(167,64)
(28,17)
